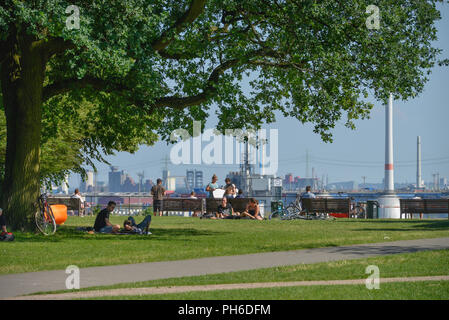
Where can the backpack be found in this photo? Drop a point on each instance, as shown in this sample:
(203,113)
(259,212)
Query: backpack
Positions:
(7,237)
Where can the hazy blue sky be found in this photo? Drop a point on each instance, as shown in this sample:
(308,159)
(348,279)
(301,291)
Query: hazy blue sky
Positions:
(354,153)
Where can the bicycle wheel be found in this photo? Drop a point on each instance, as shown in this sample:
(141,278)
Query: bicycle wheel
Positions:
(45,220)
(288,213)
(275,215)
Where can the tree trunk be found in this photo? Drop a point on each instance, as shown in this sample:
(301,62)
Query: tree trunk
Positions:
(22,75)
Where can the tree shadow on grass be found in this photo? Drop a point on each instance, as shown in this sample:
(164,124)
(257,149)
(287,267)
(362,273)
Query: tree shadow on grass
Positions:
(69,233)
(360,250)
(410,225)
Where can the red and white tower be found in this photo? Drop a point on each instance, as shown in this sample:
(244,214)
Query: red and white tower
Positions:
(389,206)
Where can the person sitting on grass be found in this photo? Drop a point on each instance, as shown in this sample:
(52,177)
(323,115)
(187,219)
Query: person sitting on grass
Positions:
(4,235)
(252,210)
(102,223)
(130,226)
(193,196)
(225,210)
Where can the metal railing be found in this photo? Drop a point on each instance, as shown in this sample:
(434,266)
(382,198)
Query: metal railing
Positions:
(125,204)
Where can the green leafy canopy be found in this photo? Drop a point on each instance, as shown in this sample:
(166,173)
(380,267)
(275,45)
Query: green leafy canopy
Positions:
(136,70)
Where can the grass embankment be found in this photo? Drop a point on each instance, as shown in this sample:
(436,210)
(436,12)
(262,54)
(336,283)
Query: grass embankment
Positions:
(424,263)
(176,238)
(426,290)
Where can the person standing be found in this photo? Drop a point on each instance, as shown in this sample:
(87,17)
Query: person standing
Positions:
(229,189)
(158,193)
(212,186)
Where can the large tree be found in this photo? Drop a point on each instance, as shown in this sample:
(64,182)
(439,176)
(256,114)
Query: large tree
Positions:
(155,65)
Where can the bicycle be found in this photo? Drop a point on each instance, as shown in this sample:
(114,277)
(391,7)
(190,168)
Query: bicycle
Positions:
(320,216)
(44,218)
(358,211)
(292,211)
(278,214)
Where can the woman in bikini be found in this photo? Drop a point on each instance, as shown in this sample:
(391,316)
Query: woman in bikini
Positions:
(252,210)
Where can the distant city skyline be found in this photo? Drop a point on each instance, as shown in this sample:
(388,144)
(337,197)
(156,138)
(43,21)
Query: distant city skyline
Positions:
(353,154)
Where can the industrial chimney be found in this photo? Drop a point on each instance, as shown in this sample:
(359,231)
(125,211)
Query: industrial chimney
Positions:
(389,206)
(389,170)
(418,165)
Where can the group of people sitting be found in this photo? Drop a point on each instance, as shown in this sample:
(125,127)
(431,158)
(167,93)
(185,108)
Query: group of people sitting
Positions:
(103,225)
(225,211)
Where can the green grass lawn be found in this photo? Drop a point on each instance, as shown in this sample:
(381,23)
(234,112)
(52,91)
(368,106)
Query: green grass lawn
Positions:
(426,290)
(423,263)
(177,238)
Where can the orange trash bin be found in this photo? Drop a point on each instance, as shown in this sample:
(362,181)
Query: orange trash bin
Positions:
(339,215)
(60,213)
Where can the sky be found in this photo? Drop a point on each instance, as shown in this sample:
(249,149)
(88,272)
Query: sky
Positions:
(352,155)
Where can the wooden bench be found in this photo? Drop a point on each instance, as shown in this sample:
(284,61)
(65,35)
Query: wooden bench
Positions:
(326,205)
(69,202)
(424,206)
(212,205)
(182,205)
(238,204)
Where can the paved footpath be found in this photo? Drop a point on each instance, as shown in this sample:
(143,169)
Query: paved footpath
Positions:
(25,283)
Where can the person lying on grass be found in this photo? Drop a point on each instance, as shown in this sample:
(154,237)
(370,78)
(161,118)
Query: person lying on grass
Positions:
(102,223)
(252,210)
(130,226)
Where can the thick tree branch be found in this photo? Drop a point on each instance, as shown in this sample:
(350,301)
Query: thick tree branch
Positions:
(57,45)
(282,65)
(195,9)
(176,55)
(175,102)
(66,85)
(209,89)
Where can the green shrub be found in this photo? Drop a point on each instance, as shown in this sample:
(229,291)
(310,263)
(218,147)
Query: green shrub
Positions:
(96,209)
(147,211)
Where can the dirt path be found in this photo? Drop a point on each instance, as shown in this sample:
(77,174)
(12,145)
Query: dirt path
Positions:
(212,287)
